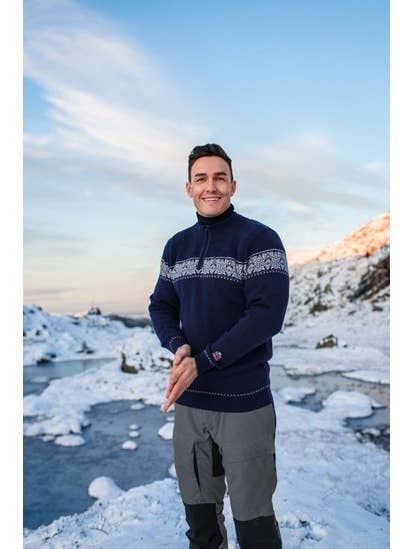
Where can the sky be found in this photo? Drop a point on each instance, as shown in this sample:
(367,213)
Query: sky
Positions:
(116,94)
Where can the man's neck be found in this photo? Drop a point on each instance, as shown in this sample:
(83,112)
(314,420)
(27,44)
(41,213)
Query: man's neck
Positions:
(203,220)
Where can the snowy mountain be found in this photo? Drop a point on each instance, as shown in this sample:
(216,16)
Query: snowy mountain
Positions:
(344,274)
(365,240)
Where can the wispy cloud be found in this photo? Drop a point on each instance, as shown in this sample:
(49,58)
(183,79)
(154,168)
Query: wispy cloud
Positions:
(38,293)
(117,115)
(51,244)
(376,167)
(307,170)
(109,101)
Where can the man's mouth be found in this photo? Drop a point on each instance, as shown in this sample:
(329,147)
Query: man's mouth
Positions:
(212,198)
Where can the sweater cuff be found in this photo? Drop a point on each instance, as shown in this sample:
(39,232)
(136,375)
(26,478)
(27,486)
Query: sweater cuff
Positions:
(205,361)
(175,342)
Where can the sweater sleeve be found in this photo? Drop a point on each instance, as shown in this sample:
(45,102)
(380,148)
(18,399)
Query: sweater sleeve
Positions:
(164,307)
(266,289)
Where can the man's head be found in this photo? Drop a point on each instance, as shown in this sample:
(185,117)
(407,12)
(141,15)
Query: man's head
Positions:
(211,183)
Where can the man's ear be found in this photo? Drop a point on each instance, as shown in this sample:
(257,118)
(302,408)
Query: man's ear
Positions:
(189,189)
(233,187)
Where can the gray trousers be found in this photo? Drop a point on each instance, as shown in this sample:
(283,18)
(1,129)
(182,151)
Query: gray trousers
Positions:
(212,446)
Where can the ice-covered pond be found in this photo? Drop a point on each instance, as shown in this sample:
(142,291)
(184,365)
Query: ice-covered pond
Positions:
(56,478)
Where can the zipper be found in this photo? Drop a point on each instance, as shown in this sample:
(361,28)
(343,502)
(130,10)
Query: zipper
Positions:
(204,248)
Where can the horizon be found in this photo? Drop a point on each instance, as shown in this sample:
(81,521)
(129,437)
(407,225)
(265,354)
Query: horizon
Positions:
(305,257)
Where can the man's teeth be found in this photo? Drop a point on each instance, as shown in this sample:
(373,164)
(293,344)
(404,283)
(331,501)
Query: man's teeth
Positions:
(211,199)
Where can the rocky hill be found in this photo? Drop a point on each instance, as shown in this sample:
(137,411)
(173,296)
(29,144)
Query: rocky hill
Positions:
(357,269)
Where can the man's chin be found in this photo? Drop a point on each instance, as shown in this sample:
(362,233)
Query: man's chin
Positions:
(211,211)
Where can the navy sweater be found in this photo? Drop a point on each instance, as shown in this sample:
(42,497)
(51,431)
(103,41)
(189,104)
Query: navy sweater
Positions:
(223,288)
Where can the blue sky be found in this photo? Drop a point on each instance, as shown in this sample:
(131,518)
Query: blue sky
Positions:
(116,94)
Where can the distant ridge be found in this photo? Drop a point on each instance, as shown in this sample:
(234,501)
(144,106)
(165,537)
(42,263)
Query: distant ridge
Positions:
(345,276)
(363,241)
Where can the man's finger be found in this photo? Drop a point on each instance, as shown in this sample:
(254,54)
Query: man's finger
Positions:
(172,381)
(171,378)
(169,388)
(174,376)
(178,389)
(170,385)
(179,356)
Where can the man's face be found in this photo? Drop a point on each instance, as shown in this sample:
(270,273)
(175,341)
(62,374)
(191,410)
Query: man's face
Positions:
(210,186)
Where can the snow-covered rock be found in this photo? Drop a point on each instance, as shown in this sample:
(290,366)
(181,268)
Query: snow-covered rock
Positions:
(166,431)
(129,445)
(69,440)
(104,487)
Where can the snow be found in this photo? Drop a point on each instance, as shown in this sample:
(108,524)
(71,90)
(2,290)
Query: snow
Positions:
(166,431)
(373,376)
(349,404)
(333,488)
(129,445)
(330,490)
(104,487)
(60,409)
(63,336)
(69,440)
(47,438)
(295,394)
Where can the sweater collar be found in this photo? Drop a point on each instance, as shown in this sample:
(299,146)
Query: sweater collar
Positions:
(217,218)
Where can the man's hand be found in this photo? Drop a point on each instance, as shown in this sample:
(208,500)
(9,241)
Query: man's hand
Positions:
(182,352)
(180,379)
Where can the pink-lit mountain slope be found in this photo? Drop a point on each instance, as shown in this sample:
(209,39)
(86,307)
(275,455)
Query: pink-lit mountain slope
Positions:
(362,241)
(346,274)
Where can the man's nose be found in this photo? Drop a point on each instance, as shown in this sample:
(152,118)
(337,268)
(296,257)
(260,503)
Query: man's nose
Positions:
(211,184)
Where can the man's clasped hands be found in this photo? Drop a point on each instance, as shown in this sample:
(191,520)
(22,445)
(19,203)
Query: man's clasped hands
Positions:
(184,371)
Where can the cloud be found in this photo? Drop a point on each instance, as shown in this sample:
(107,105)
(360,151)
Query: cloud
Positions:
(108,100)
(52,245)
(34,235)
(117,116)
(376,167)
(306,171)
(47,292)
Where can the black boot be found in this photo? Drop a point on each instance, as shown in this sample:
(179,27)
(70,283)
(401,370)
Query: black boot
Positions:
(258,533)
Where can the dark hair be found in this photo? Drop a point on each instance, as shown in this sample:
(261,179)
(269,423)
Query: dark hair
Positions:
(210,149)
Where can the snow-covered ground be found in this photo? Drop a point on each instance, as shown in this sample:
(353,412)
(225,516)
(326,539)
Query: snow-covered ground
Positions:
(59,337)
(363,343)
(333,490)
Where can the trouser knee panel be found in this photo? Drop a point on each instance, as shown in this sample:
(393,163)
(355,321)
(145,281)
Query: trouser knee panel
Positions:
(258,533)
(204,531)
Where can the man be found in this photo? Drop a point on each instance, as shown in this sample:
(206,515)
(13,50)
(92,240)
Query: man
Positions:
(221,296)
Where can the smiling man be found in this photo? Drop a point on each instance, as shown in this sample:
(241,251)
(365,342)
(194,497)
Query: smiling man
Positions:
(221,296)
